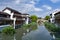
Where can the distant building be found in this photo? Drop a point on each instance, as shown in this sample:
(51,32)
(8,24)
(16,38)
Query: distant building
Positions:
(13,17)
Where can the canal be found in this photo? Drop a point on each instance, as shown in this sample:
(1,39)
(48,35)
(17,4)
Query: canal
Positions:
(41,33)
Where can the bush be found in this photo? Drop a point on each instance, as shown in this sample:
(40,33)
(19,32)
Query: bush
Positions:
(26,26)
(8,30)
(51,27)
(32,25)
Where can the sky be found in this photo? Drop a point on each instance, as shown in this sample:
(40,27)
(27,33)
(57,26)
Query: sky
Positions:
(41,8)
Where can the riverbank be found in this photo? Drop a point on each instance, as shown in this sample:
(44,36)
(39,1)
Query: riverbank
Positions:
(40,33)
(53,29)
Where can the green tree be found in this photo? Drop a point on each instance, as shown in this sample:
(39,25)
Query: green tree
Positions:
(47,17)
(33,18)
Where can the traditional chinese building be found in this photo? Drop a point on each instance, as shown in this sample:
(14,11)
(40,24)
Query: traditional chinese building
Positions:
(55,16)
(13,17)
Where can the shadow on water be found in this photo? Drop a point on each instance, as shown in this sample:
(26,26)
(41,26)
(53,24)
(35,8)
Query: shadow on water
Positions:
(40,33)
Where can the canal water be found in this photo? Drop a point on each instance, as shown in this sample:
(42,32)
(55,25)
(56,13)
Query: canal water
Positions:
(41,33)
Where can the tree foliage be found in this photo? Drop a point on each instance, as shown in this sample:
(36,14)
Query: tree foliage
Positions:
(33,18)
(47,17)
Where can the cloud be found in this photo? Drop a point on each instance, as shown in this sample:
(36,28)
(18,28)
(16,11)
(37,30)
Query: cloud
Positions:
(25,6)
(38,9)
(55,1)
(55,10)
(17,1)
(32,2)
(36,0)
(47,7)
(30,7)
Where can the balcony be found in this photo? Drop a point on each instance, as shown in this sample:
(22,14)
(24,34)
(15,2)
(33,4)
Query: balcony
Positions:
(24,15)
(20,19)
(4,18)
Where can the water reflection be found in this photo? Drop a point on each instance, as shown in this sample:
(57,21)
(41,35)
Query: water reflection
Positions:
(19,33)
(6,37)
(57,24)
(56,35)
(38,33)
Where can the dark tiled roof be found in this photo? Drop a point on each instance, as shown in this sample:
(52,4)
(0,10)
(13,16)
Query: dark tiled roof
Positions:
(16,12)
(12,10)
(57,13)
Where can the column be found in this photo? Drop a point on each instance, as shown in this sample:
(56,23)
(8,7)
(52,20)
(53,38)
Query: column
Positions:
(27,20)
(14,22)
